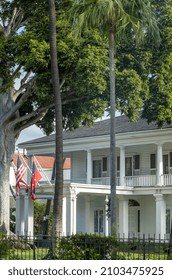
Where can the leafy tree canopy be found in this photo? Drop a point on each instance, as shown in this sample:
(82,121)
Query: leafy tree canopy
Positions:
(83,67)
(158,106)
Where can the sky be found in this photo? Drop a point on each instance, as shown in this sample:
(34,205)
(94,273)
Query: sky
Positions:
(30,133)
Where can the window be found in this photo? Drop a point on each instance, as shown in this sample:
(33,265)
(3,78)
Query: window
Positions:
(104,164)
(97,168)
(137,162)
(98,221)
(168,228)
(128,166)
(152,164)
(118,163)
(118,166)
(152,161)
(165,164)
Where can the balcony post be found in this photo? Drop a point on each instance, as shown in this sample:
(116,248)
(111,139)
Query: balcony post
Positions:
(122,166)
(159,165)
(89,166)
(73,200)
(19,215)
(160,215)
(64,215)
(123,216)
(87,214)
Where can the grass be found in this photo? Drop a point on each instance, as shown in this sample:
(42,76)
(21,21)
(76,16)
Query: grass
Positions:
(36,254)
(40,253)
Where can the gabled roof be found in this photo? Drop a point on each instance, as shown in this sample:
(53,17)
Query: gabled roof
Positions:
(123,125)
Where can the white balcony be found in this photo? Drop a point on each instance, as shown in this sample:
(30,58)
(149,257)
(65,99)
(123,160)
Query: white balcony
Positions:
(140,181)
(131,181)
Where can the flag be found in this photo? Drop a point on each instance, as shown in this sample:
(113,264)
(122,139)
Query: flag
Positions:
(36,176)
(21,169)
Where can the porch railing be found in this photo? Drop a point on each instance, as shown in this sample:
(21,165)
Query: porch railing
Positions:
(140,181)
(104,181)
(130,181)
(166,179)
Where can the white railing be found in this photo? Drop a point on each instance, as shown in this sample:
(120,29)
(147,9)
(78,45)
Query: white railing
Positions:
(140,181)
(101,181)
(79,180)
(130,181)
(166,179)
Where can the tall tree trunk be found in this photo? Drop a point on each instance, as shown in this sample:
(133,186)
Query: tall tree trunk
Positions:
(58,194)
(7,147)
(112,133)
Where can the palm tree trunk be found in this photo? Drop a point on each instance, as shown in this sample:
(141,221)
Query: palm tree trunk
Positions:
(112,132)
(58,194)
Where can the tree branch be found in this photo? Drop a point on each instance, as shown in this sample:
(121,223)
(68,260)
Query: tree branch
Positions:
(28,120)
(16,71)
(20,102)
(24,86)
(9,26)
(15,21)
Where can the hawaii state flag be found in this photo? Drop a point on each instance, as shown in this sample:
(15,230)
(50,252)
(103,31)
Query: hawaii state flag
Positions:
(36,176)
(20,182)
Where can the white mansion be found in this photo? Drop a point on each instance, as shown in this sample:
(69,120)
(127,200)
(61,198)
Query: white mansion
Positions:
(144,179)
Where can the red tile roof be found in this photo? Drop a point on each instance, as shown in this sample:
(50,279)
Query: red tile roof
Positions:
(44,161)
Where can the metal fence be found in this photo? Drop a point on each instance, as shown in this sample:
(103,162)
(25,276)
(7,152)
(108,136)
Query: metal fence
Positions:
(86,247)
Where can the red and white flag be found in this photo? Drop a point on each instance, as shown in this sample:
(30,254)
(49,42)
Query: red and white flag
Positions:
(20,172)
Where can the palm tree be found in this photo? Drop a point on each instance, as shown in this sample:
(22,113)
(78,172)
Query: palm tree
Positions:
(58,194)
(113,17)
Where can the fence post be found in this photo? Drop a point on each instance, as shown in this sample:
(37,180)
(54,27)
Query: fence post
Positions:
(144,248)
(34,253)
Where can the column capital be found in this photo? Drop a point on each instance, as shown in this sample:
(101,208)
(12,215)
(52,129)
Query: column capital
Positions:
(121,147)
(158,196)
(123,198)
(88,150)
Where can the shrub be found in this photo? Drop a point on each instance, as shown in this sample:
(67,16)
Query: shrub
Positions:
(85,247)
(4,245)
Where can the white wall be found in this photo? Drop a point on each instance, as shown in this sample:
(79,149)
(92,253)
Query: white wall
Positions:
(78,165)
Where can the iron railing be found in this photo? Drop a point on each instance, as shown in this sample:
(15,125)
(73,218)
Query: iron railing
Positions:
(84,247)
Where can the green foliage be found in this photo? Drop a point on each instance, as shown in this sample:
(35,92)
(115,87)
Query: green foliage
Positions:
(12,220)
(84,247)
(39,210)
(4,246)
(158,106)
(143,76)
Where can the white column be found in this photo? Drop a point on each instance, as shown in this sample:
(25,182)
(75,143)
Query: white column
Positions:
(106,216)
(64,217)
(123,216)
(30,217)
(74,213)
(122,166)
(26,211)
(89,166)
(160,215)
(87,214)
(73,199)
(159,164)
(19,215)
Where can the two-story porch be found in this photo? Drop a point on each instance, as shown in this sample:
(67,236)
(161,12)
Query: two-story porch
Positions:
(137,166)
(144,182)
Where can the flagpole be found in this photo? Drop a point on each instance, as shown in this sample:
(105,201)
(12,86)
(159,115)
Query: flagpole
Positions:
(42,170)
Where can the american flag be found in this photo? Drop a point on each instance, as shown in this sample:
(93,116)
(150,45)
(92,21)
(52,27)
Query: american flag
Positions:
(21,169)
